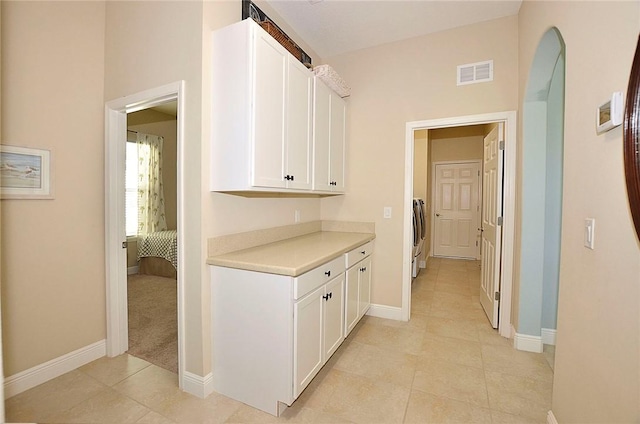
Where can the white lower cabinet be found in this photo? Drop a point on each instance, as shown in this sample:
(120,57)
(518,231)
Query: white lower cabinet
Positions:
(273,333)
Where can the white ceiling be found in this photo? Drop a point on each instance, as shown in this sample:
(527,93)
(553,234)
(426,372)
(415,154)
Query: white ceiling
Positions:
(333,27)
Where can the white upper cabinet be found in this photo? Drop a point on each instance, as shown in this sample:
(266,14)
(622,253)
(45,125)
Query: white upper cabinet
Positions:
(328,139)
(261,117)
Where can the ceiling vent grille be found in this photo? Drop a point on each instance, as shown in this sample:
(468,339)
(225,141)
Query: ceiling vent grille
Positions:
(473,73)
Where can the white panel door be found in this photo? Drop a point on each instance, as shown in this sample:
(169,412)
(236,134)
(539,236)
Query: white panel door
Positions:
(351,299)
(307,339)
(364,286)
(456,210)
(270,69)
(333,315)
(321,136)
(491,230)
(299,120)
(337,145)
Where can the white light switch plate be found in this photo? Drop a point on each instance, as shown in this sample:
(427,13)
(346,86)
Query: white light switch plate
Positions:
(387,212)
(589,232)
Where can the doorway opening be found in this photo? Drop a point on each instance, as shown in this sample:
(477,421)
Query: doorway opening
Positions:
(542,174)
(508,120)
(115,217)
(151,230)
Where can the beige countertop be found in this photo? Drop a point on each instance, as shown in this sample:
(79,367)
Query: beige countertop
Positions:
(293,256)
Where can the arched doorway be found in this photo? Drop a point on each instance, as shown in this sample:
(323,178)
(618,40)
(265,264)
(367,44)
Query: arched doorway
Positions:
(542,153)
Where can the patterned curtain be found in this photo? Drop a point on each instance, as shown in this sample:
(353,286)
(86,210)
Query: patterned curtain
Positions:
(151,216)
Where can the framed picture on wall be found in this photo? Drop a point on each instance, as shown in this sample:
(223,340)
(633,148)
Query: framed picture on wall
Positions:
(25,173)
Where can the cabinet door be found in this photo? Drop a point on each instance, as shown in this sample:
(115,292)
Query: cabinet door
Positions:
(268,112)
(299,120)
(333,315)
(351,307)
(307,339)
(321,136)
(364,286)
(337,147)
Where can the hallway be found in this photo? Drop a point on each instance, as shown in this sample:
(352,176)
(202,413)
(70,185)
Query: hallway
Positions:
(445,365)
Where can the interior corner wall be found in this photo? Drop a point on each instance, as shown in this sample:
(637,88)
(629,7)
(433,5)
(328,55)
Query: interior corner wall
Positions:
(598,333)
(406,81)
(53,269)
(147,45)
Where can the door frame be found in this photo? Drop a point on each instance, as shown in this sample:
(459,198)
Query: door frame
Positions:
(509,118)
(433,196)
(115,256)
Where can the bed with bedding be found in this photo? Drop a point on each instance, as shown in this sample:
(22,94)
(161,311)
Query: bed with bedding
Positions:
(158,253)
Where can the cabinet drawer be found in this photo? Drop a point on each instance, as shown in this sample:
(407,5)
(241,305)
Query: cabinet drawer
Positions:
(308,281)
(358,254)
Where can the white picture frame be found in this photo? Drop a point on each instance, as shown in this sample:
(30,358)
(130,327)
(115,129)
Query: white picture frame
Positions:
(25,173)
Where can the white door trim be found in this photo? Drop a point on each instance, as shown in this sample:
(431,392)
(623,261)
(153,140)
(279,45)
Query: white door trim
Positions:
(116,260)
(433,195)
(510,120)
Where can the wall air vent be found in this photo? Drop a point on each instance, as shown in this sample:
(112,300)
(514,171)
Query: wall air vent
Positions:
(473,73)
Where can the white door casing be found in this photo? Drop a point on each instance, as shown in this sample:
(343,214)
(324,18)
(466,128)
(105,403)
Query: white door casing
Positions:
(491,227)
(456,209)
(116,260)
(509,118)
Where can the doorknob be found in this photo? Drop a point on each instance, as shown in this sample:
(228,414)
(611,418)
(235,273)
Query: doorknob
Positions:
(437,214)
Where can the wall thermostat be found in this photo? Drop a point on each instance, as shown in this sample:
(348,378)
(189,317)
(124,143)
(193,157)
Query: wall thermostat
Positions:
(609,114)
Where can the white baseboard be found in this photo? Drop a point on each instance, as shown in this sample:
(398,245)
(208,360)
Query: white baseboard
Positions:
(196,385)
(132,270)
(42,373)
(549,336)
(528,343)
(384,311)
(551,419)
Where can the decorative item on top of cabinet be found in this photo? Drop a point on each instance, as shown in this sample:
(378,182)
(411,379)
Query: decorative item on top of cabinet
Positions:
(261,118)
(329,137)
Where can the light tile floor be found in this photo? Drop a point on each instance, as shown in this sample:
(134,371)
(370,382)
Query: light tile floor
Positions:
(445,365)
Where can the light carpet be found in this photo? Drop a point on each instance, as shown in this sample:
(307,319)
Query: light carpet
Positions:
(153,320)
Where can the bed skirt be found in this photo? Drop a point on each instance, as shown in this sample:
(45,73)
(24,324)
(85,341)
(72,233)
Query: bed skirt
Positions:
(153,265)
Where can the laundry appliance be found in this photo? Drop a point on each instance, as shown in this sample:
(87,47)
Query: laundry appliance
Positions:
(419,233)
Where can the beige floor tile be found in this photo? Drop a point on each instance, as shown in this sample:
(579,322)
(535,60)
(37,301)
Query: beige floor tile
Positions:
(503,418)
(458,288)
(454,328)
(363,400)
(380,365)
(152,386)
(549,352)
(427,283)
(320,390)
(488,335)
(106,407)
(422,301)
(246,414)
(507,360)
(457,351)
(453,381)
(425,408)
(183,407)
(399,339)
(536,392)
(110,371)
(154,418)
(418,321)
(308,415)
(52,397)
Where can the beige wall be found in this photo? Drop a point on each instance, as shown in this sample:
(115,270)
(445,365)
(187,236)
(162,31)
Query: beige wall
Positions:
(53,290)
(597,374)
(457,143)
(408,81)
